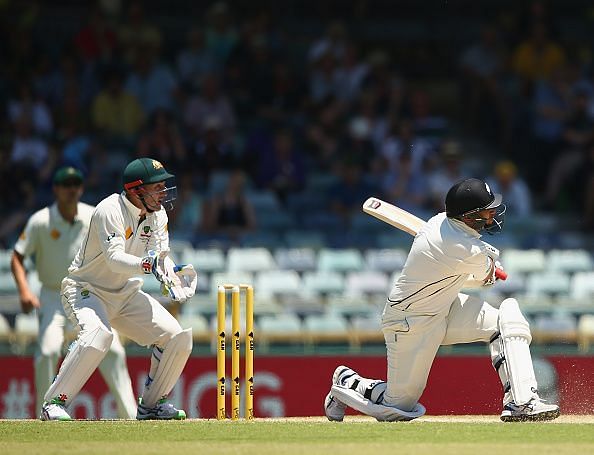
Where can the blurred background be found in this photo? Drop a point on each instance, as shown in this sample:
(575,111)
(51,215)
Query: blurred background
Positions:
(280,118)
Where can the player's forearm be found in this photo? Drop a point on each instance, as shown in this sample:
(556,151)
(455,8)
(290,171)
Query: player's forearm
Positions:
(19,273)
(123,263)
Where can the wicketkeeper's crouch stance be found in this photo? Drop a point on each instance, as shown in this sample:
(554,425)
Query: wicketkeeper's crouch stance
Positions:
(127,237)
(425,309)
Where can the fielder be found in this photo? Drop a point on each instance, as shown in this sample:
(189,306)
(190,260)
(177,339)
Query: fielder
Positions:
(425,309)
(127,237)
(52,236)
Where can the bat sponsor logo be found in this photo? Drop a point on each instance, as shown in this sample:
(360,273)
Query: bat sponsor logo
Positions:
(374,204)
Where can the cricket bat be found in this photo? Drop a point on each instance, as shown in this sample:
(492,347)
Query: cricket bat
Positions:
(407,222)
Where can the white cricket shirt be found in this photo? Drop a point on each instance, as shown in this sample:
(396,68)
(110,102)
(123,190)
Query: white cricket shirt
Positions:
(117,240)
(52,241)
(443,255)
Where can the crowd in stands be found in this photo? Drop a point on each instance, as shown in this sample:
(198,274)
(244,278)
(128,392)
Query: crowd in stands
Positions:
(235,101)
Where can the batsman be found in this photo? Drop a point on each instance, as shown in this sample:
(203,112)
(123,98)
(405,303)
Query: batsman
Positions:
(127,237)
(426,309)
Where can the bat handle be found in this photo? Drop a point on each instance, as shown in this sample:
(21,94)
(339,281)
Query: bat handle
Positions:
(500,274)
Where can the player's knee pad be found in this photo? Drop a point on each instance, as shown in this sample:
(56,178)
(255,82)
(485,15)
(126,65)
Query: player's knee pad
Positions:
(173,359)
(180,342)
(512,322)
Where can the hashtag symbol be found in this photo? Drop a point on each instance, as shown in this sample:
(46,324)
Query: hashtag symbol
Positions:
(17,400)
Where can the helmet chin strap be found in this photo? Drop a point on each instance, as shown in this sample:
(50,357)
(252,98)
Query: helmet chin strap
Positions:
(146,207)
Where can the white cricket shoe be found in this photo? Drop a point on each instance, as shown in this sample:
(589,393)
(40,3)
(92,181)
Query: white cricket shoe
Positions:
(333,408)
(55,409)
(535,410)
(163,410)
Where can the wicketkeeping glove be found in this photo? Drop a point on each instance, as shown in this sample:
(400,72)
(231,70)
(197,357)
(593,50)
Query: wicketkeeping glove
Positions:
(180,280)
(149,265)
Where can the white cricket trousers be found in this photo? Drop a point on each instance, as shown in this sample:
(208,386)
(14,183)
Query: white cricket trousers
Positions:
(132,312)
(412,341)
(52,324)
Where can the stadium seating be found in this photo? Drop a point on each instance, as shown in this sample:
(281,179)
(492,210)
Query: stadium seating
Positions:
(550,282)
(249,260)
(569,261)
(297,259)
(323,282)
(278,282)
(367,282)
(385,260)
(340,260)
(326,328)
(523,261)
(205,260)
(283,328)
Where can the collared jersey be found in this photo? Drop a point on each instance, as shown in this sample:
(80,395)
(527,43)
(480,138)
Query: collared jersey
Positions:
(118,238)
(52,241)
(443,255)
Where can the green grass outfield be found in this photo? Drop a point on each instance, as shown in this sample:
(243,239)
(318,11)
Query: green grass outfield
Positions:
(356,435)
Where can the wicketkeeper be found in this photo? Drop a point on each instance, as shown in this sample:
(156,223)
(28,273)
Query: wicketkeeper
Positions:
(52,237)
(127,237)
(425,310)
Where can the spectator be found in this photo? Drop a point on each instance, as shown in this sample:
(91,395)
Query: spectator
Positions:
(28,104)
(163,141)
(551,106)
(194,62)
(283,100)
(446,175)
(334,43)
(322,81)
(152,83)
(348,194)
(221,34)
(115,111)
(574,154)
(482,96)
(138,34)
(506,181)
(96,41)
(537,57)
(400,139)
(322,134)
(404,185)
(187,216)
(27,149)
(356,146)
(350,74)
(211,104)
(281,168)
(230,212)
(209,152)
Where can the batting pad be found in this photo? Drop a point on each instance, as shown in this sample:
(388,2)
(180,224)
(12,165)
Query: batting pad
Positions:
(82,359)
(174,358)
(516,338)
(381,412)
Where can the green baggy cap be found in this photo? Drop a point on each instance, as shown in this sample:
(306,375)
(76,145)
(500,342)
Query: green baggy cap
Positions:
(67,174)
(144,170)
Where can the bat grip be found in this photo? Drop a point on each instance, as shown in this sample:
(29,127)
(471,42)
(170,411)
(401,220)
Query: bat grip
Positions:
(500,274)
